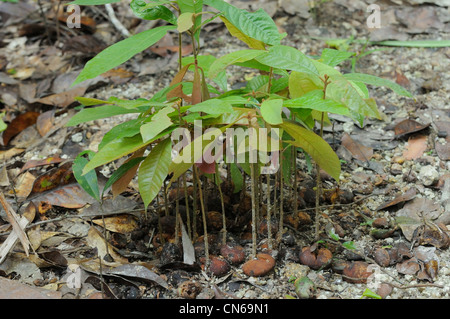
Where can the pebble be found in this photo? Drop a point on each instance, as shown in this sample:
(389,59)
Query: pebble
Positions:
(428,175)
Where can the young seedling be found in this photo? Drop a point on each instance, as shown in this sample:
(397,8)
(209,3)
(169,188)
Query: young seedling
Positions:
(309,88)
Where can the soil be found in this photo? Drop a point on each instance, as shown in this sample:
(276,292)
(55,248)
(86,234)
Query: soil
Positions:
(417,265)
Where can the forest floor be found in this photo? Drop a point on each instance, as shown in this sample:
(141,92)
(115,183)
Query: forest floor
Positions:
(394,192)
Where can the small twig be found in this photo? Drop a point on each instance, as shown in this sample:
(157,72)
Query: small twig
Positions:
(415,285)
(117,24)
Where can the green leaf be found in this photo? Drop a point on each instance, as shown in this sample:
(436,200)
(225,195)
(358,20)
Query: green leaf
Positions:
(301,83)
(287,58)
(92,2)
(235,32)
(88,181)
(271,111)
(374,80)
(342,90)
(234,57)
(121,171)
(154,170)
(194,6)
(416,43)
(212,106)
(125,129)
(121,52)
(142,10)
(236,177)
(185,21)
(114,150)
(3,126)
(159,122)
(314,100)
(89,101)
(334,57)
(349,245)
(99,112)
(257,25)
(315,146)
(370,294)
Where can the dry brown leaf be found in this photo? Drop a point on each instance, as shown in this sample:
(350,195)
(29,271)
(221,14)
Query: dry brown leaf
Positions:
(408,195)
(358,151)
(45,122)
(416,146)
(123,224)
(18,124)
(409,126)
(63,99)
(6,155)
(96,240)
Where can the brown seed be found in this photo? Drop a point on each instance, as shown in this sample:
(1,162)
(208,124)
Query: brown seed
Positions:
(316,259)
(384,290)
(260,266)
(234,254)
(381,257)
(219,266)
(356,272)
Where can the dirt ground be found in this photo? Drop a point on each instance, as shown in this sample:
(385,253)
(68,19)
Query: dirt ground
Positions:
(394,202)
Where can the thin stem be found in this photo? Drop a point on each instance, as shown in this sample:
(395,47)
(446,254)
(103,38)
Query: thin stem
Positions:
(186,200)
(318,179)
(253,196)
(280,229)
(224,219)
(269,212)
(205,228)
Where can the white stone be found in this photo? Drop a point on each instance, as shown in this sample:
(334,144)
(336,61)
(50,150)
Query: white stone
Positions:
(428,175)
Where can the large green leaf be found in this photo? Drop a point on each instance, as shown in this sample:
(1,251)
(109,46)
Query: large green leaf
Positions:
(314,100)
(301,83)
(315,146)
(159,122)
(114,150)
(126,129)
(99,112)
(212,106)
(257,25)
(342,90)
(234,57)
(374,80)
(154,170)
(271,111)
(142,10)
(235,32)
(288,58)
(121,52)
(334,57)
